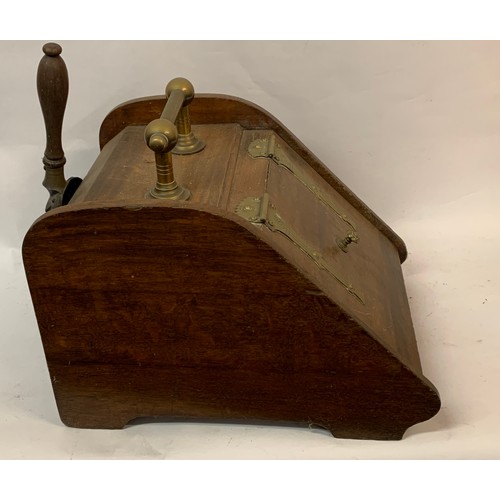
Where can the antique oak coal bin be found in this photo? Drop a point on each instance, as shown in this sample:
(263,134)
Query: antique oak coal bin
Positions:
(210,267)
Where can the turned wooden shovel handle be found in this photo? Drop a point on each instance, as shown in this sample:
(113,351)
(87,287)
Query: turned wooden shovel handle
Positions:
(53,86)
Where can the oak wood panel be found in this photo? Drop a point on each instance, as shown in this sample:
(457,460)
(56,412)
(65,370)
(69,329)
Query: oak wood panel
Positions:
(125,170)
(371,266)
(131,324)
(250,174)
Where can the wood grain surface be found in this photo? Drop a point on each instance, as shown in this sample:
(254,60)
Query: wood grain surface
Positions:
(152,312)
(156,308)
(219,109)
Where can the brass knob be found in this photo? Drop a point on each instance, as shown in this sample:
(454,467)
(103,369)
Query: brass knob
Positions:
(351,237)
(182,84)
(161,135)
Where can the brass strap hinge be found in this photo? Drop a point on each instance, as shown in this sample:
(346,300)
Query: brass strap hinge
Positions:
(262,211)
(268,148)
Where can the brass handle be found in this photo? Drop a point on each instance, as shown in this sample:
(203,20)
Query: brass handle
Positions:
(164,138)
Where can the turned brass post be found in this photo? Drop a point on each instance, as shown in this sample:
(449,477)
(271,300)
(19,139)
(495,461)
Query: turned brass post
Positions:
(161,136)
(164,138)
(187,142)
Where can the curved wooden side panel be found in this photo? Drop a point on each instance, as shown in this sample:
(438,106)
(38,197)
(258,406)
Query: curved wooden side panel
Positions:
(149,312)
(218,108)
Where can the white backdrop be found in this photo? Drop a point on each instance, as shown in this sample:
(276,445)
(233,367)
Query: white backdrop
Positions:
(413,128)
